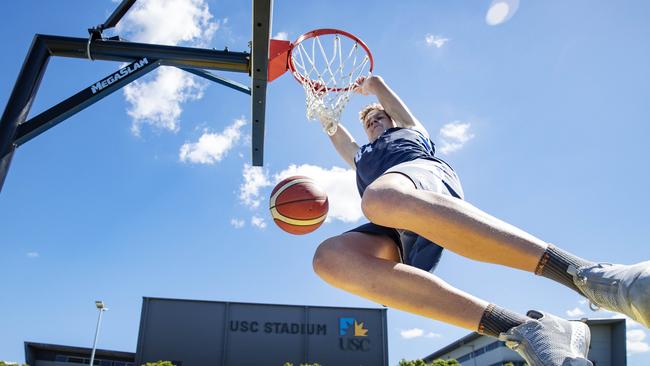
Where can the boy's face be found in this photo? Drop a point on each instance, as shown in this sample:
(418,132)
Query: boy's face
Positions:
(375,123)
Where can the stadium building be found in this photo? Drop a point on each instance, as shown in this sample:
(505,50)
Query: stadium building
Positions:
(197,333)
(608,347)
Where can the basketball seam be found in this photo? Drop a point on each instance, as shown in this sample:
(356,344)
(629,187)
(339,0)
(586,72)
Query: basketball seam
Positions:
(324,198)
(275,196)
(275,208)
(296,222)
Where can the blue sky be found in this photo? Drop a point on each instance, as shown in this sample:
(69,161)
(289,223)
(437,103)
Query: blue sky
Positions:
(544,115)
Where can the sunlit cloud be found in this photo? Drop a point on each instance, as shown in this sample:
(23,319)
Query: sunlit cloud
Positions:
(157,100)
(255,178)
(411,333)
(501,11)
(237,223)
(434,40)
(453,136)
(212,147)
(258,222)
(417,333)
(575,312)
(169,22)
(636,341)
(338,183)
(281,36)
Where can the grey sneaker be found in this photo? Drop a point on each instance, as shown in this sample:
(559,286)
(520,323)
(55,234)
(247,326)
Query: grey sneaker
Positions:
(547,340)
(621,288)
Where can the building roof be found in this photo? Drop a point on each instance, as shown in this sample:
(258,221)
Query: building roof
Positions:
(452,346)
(147,298)
(35,346)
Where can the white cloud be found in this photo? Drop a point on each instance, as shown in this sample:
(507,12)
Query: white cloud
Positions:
(576,312)
(32,255)
(237,223)
(411,333)
(169,22)
(454,135)
(629,322)
(636,341)
(255,178)
(501,11)
(432,335)
(338,183)
(258,222)
(212,147)
(433,40)
(282,35)
(158,100)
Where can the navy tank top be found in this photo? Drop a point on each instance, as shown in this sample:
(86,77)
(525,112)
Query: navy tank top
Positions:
(396,145)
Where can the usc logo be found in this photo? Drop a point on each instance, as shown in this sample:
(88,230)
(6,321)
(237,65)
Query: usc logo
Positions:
(351,332)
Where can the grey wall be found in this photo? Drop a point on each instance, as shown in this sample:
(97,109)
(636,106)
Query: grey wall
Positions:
(239,334)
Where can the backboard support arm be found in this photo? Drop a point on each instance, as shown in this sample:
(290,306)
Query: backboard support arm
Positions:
(16,130)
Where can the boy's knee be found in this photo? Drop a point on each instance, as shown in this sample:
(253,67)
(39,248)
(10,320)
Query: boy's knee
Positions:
(326,257)
(380,202)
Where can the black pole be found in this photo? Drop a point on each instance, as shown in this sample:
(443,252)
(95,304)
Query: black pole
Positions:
(119,12)
(259,74)
(83,99)
(20,101)
(219,80)
(44,46)
(111,50)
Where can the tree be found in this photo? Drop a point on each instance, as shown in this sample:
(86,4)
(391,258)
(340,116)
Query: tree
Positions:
(440,362)
(5,363)
(302,364)
(158,363)
(412,363)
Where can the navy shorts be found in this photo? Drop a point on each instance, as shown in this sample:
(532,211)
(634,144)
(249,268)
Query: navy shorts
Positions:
(428,175)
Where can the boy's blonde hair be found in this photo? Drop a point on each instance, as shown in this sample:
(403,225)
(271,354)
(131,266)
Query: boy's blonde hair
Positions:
(369,108)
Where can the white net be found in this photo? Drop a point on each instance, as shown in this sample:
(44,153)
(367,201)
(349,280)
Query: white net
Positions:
(328,72)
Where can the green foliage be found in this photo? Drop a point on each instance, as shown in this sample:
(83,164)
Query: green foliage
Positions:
(438,362)
(158,363)
(5,363)
(412,363)
(302,364)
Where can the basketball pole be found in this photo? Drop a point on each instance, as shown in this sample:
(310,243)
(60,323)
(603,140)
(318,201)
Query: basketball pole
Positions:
(15,129)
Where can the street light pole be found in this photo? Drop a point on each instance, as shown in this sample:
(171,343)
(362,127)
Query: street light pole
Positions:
(102,308)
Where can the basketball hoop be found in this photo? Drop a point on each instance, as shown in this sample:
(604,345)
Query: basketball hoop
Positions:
(329,63)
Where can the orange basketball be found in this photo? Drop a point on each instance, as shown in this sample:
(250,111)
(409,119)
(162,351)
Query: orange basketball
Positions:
(298,205)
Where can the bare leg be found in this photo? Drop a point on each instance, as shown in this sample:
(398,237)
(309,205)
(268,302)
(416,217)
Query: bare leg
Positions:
(393,201)
(368,266)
